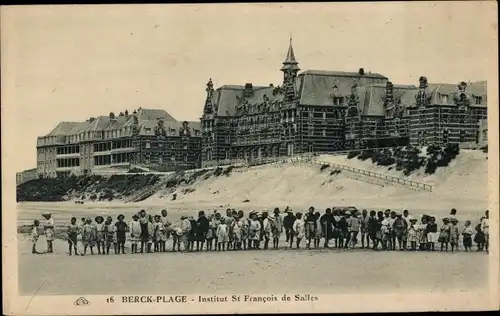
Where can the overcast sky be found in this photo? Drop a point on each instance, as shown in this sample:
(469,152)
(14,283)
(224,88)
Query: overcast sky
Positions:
(72,62)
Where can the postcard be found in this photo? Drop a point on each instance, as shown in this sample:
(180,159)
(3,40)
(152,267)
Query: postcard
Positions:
(250,158)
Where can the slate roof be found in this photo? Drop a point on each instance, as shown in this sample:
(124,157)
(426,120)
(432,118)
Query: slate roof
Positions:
(317,86)
(147,118)
(372,97)
(474,89)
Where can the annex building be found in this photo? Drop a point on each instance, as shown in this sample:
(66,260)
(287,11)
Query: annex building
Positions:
(325,111)
(146,138)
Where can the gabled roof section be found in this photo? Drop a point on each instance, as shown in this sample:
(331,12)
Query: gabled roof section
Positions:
(62,128)
(344,74)
(226,97)
(153,114)
(318,86)
(473,89)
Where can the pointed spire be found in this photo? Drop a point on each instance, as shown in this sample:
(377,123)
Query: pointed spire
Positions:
(290,61)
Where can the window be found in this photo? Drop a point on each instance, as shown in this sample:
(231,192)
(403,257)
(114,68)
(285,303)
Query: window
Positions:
(444,98)
(148,144)
(478,100)
(445,137)
(160,144)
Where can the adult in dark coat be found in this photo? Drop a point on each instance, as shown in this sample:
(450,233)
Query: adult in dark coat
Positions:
(288,221)
(203,227)
(326,221)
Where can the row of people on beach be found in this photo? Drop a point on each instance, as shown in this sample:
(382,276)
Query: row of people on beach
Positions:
(387,230)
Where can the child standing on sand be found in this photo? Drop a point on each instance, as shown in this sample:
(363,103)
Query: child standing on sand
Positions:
(386,233)
(99,220)
(298,229)
(161,234)
(35,235)
(400,228)
(244,228)
(319,233)
(454,234)
(184,231)
(467,233)
(432,234)
(422,233)
(479,237)
(73,230)
(236,230)
(222,235)
(277,225)
(151,233)
(109,234)
(49,230)
(135,233)
(485,228)
(254,231)
(354,224)
(121,229)
(267,228)
(88,236)
(193,233)
(412,234)
(444,235)
(210,233)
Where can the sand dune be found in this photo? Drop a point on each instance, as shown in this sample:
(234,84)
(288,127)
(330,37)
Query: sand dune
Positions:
(462,185)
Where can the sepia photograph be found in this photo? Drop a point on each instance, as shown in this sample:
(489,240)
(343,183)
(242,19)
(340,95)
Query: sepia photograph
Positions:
(232,158)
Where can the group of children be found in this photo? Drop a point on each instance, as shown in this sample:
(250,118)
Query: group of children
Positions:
(387,230)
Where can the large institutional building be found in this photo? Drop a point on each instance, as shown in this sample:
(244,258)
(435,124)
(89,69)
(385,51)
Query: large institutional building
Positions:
(325,111)
(146,138)
(309,112)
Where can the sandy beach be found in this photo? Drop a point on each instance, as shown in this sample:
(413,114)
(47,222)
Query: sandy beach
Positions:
(461,185)
(312,271)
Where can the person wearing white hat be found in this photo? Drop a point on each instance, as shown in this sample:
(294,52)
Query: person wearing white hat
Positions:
(48,228)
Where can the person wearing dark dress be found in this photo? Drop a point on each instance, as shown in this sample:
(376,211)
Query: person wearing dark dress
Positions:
(344,231)
(326,221)
(121,229)
(144,221)
(288,224)
(310,226)
(372,227)
(203,227)
(193,233)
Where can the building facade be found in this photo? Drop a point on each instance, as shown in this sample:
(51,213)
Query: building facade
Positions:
(149,139)
(326,111)
(26,175)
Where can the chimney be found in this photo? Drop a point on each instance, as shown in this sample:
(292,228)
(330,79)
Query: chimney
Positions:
(271,85)
(126,112)
(361,72)
(389,96)
(111,115)
(91,119)
(248,90)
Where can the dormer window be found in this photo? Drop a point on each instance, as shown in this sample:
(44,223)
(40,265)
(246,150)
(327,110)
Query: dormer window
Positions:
(444,98)
(478,100)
